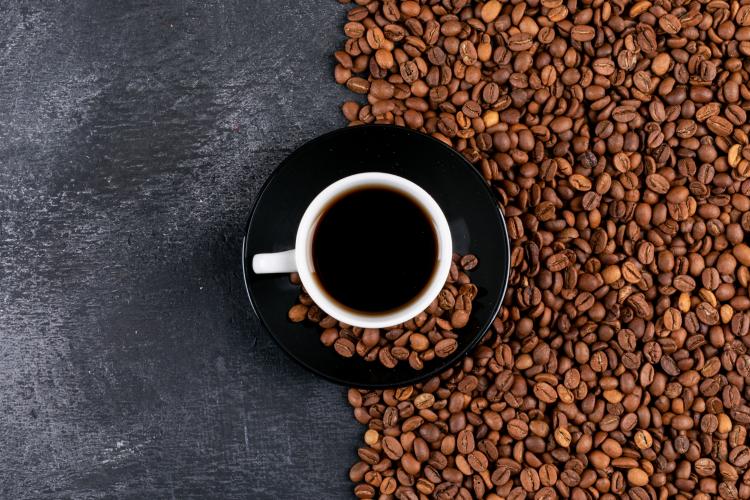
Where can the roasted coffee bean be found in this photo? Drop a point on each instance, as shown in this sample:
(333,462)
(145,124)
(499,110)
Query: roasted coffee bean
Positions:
(387,358)
(298,313)
(469,262)
(344,347)
(358,85)
(517,429)
(451,310)
(392,448)
(582,33)
(445,347)
(615,139)
(520,42)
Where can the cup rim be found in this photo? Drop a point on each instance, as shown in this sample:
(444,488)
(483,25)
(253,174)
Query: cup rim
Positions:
(303,247)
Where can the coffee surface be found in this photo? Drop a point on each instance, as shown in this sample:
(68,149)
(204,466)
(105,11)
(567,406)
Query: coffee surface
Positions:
(374,250)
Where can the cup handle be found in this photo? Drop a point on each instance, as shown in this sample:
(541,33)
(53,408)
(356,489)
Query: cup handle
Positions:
(279,262)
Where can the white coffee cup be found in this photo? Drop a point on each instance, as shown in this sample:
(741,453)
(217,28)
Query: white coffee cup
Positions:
(300,258)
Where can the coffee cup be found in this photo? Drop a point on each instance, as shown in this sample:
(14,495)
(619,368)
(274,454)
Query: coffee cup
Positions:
(372,250)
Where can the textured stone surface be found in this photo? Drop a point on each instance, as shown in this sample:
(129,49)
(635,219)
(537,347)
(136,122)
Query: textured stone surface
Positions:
(133,138)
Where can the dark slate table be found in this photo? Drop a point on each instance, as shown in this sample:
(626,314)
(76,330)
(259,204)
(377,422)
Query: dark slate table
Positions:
(134,136)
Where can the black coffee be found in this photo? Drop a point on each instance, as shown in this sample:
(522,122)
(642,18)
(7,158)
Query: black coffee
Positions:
(374,250)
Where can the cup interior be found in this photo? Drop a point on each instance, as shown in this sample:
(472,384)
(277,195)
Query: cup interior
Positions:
(304,246)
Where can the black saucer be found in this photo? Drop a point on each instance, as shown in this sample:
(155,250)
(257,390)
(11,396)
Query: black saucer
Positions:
(477,227)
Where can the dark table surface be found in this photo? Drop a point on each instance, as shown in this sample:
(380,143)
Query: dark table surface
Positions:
(134,136)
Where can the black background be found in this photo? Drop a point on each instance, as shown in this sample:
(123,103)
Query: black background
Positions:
(133,139)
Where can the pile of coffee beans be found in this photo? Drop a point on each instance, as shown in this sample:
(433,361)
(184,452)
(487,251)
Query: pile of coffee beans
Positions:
(615,136)
(433,333)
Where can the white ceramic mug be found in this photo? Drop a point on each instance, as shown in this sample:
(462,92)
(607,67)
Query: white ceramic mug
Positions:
(300,258)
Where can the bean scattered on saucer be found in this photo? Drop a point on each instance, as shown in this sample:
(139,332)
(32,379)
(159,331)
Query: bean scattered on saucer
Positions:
(432,333)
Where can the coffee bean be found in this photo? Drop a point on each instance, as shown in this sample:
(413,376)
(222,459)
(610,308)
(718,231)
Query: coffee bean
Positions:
(477,460)
(298,313)
(740,456)
(615,142)
(742,253)
(558,262)
(469,262)
(368,455)
(354,29)
(530,479)
(471,109)
(672,319)
(580,182)
(491,93)
(446,347)
(707,313)
(670,24)
(517,429)
(344,347)
(624,114)
(631,272)
(392,448)
(561,124)
(358,85)
(465,442)
(657,183)
(490,11)
(520,42)
(545,392)
(562,437)
(642,439)
(719,126)
(386,357)
(415,348)
(637,477)
(684,283)
(582,33)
